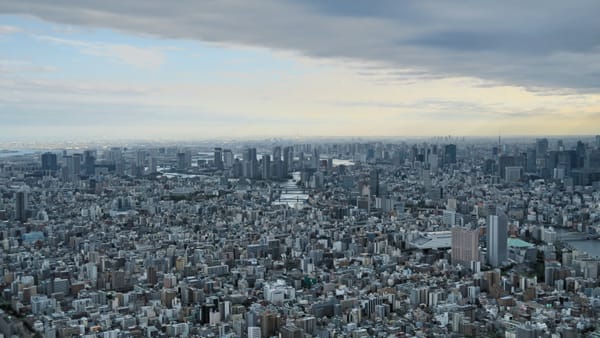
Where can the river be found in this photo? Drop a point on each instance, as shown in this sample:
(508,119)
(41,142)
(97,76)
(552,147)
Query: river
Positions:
(589,246)
(295,198)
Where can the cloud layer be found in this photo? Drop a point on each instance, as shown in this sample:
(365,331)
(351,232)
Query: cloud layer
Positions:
(535,44)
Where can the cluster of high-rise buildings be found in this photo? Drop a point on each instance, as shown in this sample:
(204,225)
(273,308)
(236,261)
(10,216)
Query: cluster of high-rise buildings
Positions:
(444,238)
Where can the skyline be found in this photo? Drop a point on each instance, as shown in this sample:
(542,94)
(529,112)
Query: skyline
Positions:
(87,70)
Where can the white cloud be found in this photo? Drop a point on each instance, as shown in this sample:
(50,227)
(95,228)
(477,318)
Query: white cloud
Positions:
(9,30)
(508,42)
(21,66)
(131,55)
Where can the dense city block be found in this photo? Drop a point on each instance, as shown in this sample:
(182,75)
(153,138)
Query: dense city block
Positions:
(438,237)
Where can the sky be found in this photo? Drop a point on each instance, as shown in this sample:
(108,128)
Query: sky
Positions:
(186,70)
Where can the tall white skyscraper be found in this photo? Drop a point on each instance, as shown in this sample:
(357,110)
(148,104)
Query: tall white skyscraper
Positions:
(497,235)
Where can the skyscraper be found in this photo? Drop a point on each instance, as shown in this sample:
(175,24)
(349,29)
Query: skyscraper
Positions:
(374,183)
(77,160)
(288,160)
(181,161)
(277,166)
(227,159)
(89,162)
(49,162)
(250,164)
(218,158)
(497,235)
(450,153)
(465,245)
(316,158)
(71,167)
(184,159)
(277,153)
(266,167)
(21,206)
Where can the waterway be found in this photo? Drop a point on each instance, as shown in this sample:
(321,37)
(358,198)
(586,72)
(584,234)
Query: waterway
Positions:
(20,152)
(294,198)
(589,246)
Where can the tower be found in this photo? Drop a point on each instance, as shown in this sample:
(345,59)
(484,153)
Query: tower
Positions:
(250,165)
(21,206)
(218,158)
(49,162)
(374,183)
(266,167)
(497,235)
(89,162)
(227,159)
(465,245)
(450,154)
(288,160)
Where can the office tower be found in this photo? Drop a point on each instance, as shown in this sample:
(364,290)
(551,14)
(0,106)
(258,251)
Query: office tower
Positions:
(227,159)
(246,163)
(277,166)
(541,147)
(71,167)
(181,165)
(374,183)
(497,235)
(580,155)
(592,164)
(237,169)
(266,167)
(316,158)
(288,160)
(530,165)
(277,153)
(153,165)
(114,154)
(512,173)
(89,162)
(465,245)
(250,164)
(450,153)
(184,160)
(77,160)
(277,169)
(21,206)
(218,158)
(505,161)
(140,157)
(49,162)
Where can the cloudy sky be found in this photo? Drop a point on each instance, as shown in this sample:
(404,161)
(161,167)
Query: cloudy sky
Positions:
(155,69)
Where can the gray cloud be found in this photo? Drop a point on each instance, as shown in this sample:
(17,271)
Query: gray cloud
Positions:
(535,44)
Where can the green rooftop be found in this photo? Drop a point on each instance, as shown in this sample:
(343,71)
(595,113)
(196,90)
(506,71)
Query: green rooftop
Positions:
(518,243)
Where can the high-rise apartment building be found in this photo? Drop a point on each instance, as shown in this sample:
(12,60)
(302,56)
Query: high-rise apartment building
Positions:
(465,245)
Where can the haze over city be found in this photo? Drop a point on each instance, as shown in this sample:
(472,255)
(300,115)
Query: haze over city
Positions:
(203,69)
